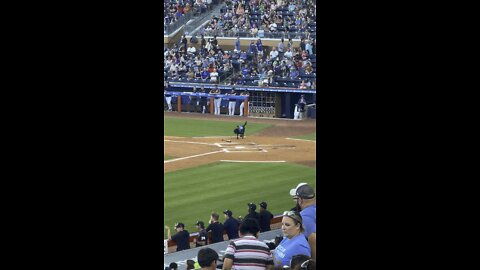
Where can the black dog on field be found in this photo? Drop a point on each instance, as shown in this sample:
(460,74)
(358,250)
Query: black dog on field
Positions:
(240,130)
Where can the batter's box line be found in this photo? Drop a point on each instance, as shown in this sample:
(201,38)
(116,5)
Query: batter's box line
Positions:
(244,151)
(254,161)
(183,158)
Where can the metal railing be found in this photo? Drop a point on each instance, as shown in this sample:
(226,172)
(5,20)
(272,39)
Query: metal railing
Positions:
(170,28)
(248,34)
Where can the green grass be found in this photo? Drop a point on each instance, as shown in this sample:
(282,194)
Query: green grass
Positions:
(184,127)
(165,157)
(192,194)
(310,137)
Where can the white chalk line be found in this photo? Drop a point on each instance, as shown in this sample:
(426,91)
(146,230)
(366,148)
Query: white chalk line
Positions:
(201,143)
(201,155)
(254,161)
(301,140)
(212,137)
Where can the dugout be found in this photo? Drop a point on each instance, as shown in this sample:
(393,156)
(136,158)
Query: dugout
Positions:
(271,102)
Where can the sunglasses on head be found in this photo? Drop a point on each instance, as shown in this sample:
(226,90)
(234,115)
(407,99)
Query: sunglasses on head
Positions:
(294,215)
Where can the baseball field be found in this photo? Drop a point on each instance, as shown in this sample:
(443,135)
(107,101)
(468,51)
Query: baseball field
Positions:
(206,169)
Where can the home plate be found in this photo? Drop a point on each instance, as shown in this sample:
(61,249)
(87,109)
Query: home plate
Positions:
(239,147)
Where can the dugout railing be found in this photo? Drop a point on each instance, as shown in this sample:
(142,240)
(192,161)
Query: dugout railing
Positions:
(272,102)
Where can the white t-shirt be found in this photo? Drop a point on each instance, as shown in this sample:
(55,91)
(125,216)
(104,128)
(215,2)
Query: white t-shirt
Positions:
(273,54)
(213,76)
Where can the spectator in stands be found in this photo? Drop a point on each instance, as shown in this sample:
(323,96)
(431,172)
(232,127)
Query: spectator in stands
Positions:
(265,217)
(207,258)
(252,213)
(216,228)
(303,85)
(304,196)
(301,262)
(281,48)
(293,243)
(190,264)
(231,225)
(246,251)
(181,238)
(202,238)
(214,76)
(273,53)
(205,74)
(173,266)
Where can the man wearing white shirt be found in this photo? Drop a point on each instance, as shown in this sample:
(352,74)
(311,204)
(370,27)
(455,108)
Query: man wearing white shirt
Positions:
(214,75)
(191,50)
(273,53)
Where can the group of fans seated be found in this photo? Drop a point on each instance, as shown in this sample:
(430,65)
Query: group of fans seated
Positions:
(284,66)
(174,10)
(264,18)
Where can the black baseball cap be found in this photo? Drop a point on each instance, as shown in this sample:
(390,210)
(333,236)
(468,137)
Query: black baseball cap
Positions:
(228,213)
(252,206)
(179,225)
(200,223)
(263,204)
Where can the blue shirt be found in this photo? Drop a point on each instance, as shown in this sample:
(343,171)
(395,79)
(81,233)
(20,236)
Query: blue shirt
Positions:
(289,248)
(259,46)
(237,45)
(205,74)
(309,216)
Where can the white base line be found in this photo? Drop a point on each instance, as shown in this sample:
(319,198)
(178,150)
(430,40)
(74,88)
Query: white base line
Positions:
(301,140)
(214,137)
(252,161)
(211,144)
(183,158)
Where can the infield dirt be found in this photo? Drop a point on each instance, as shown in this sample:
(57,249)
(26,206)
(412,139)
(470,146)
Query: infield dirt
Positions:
(271,144)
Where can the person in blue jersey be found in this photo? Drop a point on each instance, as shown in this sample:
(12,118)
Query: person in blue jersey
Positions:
(293,243)
(304,197)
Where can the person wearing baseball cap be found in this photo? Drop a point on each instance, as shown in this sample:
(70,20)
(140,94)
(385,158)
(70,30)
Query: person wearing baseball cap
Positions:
(304,196)
(181,238)
(252,213)
(202,238)
(231,225)
(265,217)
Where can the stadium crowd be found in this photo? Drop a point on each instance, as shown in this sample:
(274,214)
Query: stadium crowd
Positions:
(264,18)
(295,248)
(176,10)
(285,65)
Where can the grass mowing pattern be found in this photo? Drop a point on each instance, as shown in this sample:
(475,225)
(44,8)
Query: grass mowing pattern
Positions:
(310,137)
(184,127)
(192,194)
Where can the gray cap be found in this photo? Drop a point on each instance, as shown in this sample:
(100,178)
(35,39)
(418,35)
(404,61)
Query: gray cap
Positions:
(303,190)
